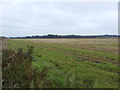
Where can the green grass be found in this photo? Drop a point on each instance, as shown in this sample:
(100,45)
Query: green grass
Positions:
(77,66)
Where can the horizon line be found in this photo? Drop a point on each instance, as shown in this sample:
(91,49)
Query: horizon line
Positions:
(62,35)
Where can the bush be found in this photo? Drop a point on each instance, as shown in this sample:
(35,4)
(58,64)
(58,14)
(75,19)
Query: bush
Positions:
(17,70)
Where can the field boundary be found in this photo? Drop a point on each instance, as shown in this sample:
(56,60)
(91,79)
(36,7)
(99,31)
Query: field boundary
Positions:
(47,65)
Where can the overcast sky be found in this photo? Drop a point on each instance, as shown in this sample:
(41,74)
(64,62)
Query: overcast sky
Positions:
(22,19)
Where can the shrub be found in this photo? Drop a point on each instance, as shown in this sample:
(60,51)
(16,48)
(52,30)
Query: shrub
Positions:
(17,70)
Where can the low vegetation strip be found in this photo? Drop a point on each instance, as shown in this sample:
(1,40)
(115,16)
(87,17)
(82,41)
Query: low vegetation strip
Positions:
(79,72)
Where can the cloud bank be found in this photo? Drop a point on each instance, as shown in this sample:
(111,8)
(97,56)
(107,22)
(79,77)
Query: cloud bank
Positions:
(22,19)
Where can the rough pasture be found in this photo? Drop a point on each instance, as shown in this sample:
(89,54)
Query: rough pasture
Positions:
(85,62)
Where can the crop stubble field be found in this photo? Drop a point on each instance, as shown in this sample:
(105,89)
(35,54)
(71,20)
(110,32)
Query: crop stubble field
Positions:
(82,62)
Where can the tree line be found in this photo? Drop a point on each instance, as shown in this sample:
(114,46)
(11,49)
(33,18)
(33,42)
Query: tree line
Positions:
(67,36)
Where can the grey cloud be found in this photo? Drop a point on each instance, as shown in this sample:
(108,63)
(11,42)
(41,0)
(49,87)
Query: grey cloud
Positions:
(59,18)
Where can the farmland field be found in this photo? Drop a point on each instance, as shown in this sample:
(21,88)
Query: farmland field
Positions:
(77,63)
